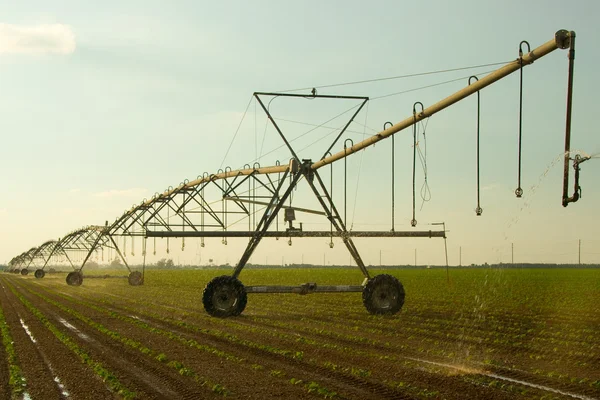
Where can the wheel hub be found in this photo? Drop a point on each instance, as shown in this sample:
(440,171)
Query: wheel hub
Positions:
(385,297)
(225,299)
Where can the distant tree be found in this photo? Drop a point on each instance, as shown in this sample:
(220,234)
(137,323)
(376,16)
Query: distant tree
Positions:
(91,264)
(116,262)
(164,263)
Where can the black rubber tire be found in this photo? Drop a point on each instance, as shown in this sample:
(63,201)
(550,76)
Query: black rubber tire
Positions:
(224,296)
(24,271)
(383,295)
(74,278)
(39,273)
(136,278)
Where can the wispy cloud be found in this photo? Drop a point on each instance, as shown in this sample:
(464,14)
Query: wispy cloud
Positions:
(133,192)
(36,39)
(75,190)
(3,211)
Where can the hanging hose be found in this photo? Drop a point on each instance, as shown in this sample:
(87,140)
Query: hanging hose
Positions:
(277,163)
(413,221)
(393,189)
(330,205)
(346,181)
(478,210)
(519,191)
(204,175)
(425,191)
(184,183)
(224,207)
(168,250)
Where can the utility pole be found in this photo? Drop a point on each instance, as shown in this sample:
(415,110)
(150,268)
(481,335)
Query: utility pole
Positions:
(415,256)
(512,253)
(443,224)
(579,251)
(380,258)
(460,256)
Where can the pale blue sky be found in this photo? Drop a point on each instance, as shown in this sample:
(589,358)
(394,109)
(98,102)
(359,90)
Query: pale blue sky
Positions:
(152,92)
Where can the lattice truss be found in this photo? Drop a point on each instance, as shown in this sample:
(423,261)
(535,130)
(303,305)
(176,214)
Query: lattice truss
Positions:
(249,202)
(64,250)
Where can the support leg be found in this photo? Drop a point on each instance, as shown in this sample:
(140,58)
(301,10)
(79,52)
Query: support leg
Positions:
(266,220)
(119,252)
(337,222)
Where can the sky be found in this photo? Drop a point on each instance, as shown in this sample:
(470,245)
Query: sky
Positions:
(105,103)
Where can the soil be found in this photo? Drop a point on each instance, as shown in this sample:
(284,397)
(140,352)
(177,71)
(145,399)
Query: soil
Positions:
(145,345)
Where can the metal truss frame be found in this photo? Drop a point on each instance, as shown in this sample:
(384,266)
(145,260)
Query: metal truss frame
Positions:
(185,211)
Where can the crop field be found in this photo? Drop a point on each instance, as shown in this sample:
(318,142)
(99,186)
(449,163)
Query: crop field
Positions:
(485,334)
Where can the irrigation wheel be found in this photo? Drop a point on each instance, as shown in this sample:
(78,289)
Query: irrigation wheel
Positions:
(384,294)
(40,273)
(24,271)
(74,278)
(224,296)
(136,278)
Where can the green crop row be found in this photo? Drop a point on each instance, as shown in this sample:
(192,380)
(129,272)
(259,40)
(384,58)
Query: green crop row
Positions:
(107,376)
(183,370)
(313,387)
(16,380)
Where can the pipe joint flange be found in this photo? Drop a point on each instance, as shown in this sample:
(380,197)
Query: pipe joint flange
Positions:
(563,38)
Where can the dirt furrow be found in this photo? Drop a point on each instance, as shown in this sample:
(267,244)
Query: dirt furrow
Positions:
(51,370)
(246,383)
(147,378)
(380,389)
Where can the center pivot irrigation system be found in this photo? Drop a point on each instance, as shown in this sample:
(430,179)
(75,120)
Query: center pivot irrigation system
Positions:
(185,211)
